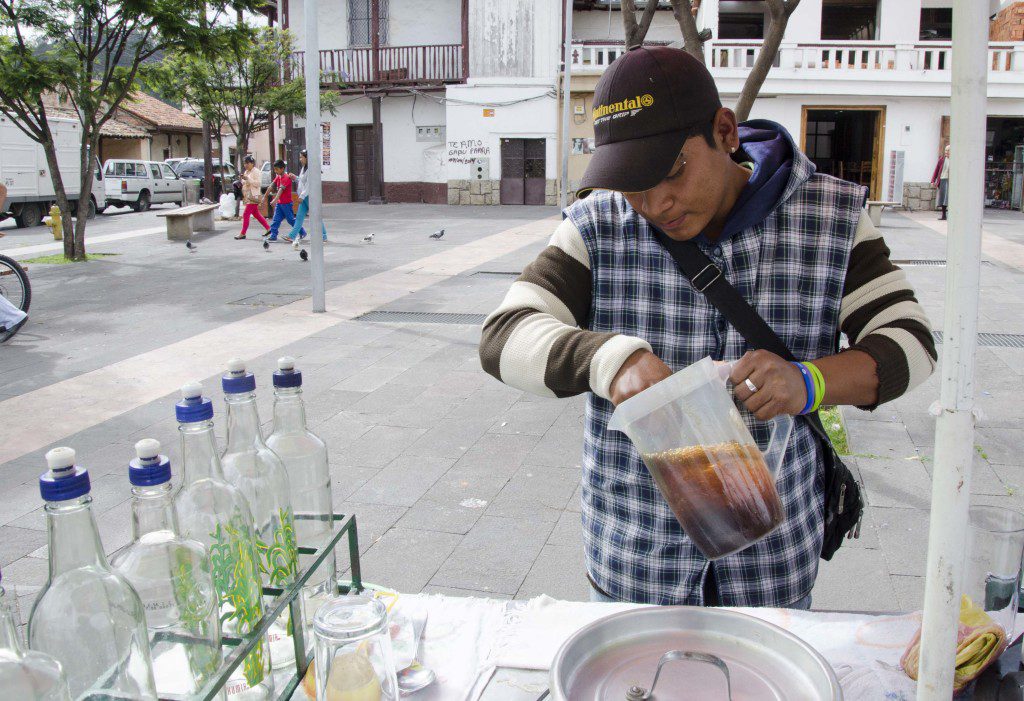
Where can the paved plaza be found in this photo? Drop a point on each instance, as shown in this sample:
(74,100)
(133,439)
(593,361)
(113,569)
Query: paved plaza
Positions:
(460,485)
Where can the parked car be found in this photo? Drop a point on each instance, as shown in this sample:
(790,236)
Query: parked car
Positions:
(175,162)
(266,176)
(139,184)
(193,168)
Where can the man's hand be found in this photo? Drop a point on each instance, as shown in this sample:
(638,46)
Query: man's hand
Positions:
(780,385)
(641,370)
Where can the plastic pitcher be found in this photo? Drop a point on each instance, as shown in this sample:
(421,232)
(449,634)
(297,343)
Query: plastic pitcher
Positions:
(718,483)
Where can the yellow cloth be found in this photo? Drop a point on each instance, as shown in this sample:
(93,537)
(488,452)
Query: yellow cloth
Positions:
(980,641)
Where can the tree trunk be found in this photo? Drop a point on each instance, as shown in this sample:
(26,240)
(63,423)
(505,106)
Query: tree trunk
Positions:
(682,10)
(90,142)
(778,12)
(50,150)
(207,162)
(636,32)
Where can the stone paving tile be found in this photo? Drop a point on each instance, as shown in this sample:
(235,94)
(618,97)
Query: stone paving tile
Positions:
(895,483)
(495,556)
(18,501)
(450,438)
(903,534)
(485,405)
(422,412)
(446,517)
(406,559)
(535,492)
(372,522)
(560,572)
(841,583)
(497,454)
(403,481)
(568,531)
(383,400)
(453,591)
(321,406)
(18,542)
(470,486)
(26,572)
(909,592)
(558,448)
(341,430)
(370,378)
(379,446)
(346,479)
(532,418)
(1002,445)
(881,439)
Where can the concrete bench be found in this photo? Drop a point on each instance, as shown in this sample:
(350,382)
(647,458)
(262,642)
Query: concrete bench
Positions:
(875,208)
(185,221)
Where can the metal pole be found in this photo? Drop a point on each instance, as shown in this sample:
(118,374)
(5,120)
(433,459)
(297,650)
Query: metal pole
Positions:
(954,429)
(313,158)
(566,71)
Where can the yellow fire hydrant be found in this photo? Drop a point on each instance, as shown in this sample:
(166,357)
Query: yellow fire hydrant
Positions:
(55,223)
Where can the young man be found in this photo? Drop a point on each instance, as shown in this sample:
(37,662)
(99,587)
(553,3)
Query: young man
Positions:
(282,201)
(604,309)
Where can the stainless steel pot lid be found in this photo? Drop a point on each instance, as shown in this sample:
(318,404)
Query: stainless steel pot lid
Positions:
(697,653)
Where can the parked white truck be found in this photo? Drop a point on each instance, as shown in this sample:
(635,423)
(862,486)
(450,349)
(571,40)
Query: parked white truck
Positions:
(25,172)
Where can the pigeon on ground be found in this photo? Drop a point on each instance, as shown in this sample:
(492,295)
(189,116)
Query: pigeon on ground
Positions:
(191,246)
(368,238)
(266,246)
(437,234)
(303,255)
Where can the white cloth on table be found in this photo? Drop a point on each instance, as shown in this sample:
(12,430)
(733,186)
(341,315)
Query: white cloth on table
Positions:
(9,314)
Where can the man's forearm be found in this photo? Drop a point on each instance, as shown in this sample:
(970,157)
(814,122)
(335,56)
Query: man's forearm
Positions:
(850,378)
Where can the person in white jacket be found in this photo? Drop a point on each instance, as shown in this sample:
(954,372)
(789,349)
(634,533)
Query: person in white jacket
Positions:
(300,216)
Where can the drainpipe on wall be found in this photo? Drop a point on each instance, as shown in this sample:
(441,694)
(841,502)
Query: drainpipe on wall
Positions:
(563,181)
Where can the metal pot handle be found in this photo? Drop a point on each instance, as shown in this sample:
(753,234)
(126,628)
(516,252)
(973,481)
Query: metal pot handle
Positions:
(638,693)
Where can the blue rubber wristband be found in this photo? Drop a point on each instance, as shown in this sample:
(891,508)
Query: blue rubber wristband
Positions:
(808,385)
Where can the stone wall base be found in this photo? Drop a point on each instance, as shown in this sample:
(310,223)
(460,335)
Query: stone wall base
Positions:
(918,196)
(488,192)
(336,192)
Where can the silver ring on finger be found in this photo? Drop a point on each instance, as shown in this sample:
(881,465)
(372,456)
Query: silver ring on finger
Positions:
(750,385)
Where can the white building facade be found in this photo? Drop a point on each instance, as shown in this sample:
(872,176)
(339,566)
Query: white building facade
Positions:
(863,86)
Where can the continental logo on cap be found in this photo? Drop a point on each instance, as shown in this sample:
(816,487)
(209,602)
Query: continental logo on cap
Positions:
(631,105)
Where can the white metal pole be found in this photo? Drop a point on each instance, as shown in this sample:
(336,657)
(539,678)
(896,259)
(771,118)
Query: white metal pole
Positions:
(954,429)
(313,134)
(566,141)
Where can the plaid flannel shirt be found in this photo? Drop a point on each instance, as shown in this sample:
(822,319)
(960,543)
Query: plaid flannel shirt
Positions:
(791,267)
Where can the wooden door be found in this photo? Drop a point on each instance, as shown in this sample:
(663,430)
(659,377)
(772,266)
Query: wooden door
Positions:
(535,167)
(513,171)
(361,166)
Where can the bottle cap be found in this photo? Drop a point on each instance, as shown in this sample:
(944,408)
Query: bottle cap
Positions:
(193,406)
(236,380)
(287,375)
(65,480)
(149,467)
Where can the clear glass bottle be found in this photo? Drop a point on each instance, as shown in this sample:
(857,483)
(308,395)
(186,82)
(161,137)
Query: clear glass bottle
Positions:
(216,514)
(305,458)
(254,468)
(26,675)
(172,576)
(87,616)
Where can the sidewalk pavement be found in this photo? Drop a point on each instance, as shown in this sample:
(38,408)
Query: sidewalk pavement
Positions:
(460,484)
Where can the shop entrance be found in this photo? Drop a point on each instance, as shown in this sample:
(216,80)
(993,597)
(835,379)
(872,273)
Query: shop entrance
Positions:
(1004,162)
(846,142)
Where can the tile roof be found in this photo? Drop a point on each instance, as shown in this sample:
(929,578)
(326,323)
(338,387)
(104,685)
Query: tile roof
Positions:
(112,128)
(159,113)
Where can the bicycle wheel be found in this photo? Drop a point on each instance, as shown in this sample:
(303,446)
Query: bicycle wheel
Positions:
(14,283)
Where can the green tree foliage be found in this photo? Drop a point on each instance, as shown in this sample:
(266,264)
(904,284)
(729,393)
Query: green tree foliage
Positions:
(93,52)
(239,85)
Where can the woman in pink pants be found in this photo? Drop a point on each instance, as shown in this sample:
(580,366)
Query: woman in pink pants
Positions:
(251,196)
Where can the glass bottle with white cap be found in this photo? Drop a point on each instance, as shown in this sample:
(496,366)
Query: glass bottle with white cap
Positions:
(27,675)
(172,577)
(216,514)
(305,458)
(254,468)
(87,615)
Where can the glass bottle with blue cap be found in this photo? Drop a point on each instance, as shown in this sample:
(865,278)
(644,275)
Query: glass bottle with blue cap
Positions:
(216,514)
(254,468)
(28,675)
(87,616)
(172,577)
(305,458)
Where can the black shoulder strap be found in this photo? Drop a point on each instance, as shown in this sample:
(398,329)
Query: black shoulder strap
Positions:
(707,278)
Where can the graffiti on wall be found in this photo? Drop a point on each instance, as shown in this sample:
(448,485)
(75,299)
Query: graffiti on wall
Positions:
(467,150)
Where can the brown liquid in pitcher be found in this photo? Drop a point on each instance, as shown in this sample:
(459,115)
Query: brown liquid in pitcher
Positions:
(723,495)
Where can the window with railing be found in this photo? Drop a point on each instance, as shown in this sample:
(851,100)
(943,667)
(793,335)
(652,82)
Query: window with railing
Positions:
(849,20)
(743,19)
(360,22)
(936,24)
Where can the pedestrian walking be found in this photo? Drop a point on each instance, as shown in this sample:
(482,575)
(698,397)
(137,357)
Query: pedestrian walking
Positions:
(614,305)
(940,179)
(251,196)
(300,216)
(282,201)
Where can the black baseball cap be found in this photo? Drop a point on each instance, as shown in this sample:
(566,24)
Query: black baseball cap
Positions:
(647,104)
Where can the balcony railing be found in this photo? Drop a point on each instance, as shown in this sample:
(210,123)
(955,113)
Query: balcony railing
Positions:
(400,65)
(821,59)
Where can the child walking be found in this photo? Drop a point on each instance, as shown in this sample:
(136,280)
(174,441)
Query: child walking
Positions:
(251,197)
(282,200)
(300,216)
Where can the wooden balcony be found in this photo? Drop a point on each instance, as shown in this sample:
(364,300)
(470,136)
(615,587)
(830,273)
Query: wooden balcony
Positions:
(408,66)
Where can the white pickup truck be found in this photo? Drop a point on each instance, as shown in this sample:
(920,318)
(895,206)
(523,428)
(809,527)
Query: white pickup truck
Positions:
(23,169)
